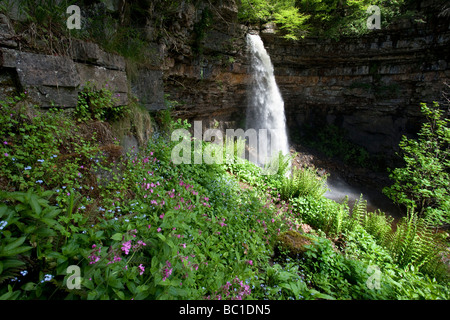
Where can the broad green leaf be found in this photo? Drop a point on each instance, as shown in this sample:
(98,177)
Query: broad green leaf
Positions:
(35,205)
(117,236)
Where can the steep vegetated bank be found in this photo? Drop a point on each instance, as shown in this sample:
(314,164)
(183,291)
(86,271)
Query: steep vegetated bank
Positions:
(93,187)
(140,227)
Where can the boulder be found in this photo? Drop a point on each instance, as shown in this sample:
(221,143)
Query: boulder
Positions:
(293,243)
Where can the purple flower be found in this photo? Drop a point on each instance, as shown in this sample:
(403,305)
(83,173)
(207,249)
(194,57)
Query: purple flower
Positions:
(142,269)
(167,271)
(126,246)
(6,155)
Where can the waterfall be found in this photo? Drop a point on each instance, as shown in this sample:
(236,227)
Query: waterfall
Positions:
(265,105)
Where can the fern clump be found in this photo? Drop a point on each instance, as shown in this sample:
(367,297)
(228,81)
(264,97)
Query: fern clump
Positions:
(303,182)
(414,244)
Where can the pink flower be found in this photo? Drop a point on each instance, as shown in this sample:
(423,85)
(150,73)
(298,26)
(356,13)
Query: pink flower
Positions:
(183,245)
(162,216)
(167,271)
(6,155)
(159,229)
(142,269)
(126,246)
(149,226)
(250,262)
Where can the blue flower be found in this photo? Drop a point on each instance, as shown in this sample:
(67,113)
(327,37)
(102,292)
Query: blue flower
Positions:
(41,160)
(3,224)
(39,181)
(27,168)
(47,277)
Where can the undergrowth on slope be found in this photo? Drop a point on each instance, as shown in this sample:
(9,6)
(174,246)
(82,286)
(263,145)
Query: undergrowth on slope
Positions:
(139,226)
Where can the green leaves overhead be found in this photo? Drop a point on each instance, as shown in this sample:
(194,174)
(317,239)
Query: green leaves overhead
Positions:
(329,18)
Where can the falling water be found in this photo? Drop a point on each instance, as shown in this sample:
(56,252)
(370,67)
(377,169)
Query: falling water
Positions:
(266,106)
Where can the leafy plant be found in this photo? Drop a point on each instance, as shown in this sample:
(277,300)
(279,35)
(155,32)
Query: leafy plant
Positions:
(303,182)
(326,18)
(413,243)
(423,184)
(98,104)
(29,227)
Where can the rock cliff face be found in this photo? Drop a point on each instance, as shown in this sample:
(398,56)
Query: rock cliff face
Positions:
(371,86)
(211,83)
(56,80)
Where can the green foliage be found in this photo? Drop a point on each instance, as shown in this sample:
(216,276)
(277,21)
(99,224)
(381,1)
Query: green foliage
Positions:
(321,213)
(29,229)
(338,276)
(32,145)
(283,13)
(284,282)
(200,29)
(43,22)
(98,104)
(423,184)
(140,227)
(327,18)
(302,182)
(413,243)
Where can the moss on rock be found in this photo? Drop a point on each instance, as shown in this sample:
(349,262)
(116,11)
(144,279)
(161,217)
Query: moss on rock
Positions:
(292,243)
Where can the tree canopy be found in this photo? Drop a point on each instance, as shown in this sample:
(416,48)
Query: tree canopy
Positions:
(330,18)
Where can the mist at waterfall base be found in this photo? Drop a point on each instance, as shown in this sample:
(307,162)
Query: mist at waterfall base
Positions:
(266,111)
(265,105)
